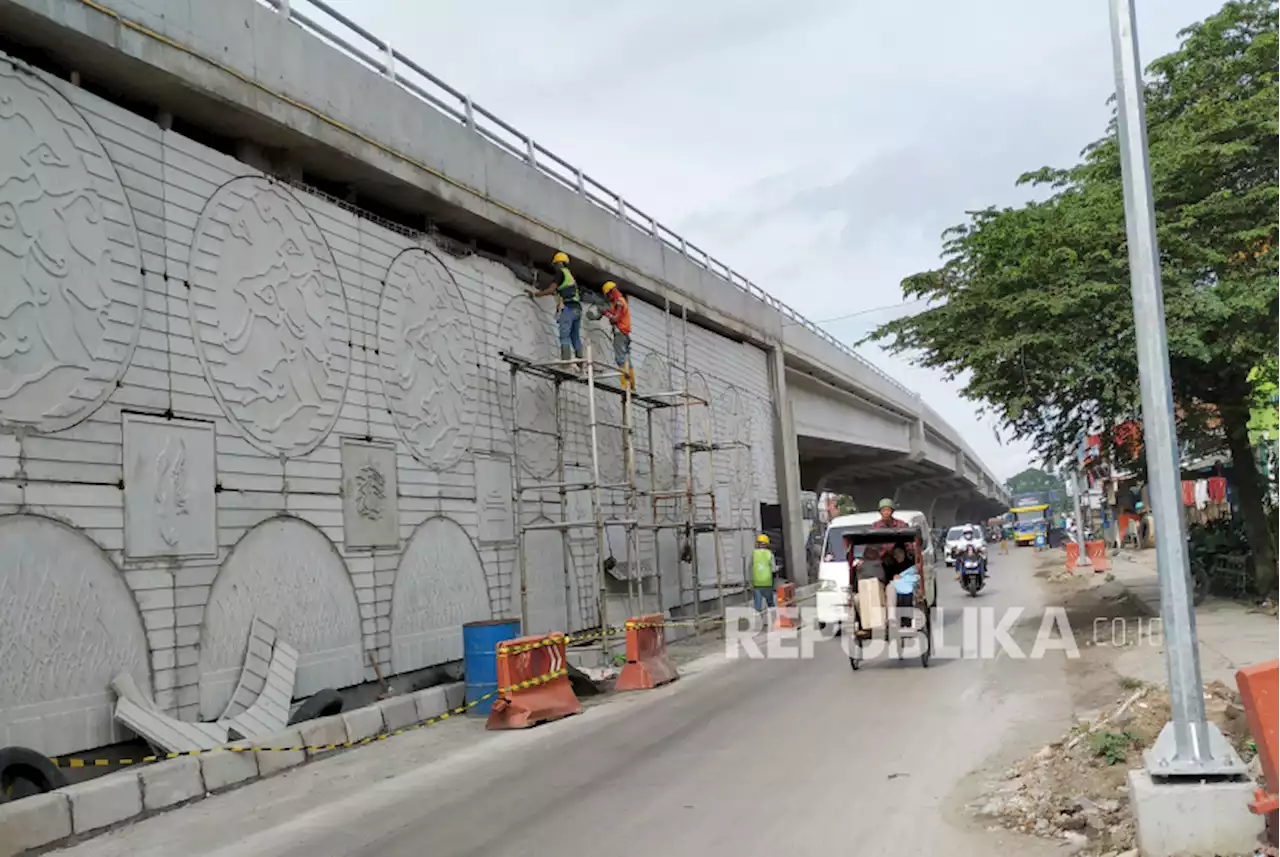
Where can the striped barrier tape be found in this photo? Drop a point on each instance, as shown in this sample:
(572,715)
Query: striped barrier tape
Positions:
(314,748)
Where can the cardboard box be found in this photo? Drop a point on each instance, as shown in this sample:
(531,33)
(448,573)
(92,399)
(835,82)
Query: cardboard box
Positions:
(871,607)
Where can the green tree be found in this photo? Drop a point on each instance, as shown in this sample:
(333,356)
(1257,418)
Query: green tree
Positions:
(1033,302)
(1034,480)
(845,505)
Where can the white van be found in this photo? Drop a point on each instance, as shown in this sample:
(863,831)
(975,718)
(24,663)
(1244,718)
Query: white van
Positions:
(833,570)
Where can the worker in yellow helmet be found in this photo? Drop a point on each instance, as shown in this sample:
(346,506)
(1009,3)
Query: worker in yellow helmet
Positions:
(568,307)
(619,315)
(763,568)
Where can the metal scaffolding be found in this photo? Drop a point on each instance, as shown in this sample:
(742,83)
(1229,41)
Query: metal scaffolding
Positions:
(693,509)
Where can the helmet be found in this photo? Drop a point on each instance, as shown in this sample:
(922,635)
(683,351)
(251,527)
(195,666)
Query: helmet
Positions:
(609,286)
(968,531)
(886,503)
(560,257)
(762,539)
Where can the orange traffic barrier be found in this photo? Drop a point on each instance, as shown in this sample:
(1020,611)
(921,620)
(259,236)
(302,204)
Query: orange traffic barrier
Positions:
(1260,692)
(533,683)
(786,606)
(648,664)
(1097,553)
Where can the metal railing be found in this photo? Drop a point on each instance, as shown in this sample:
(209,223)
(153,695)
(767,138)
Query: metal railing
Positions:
(378,55)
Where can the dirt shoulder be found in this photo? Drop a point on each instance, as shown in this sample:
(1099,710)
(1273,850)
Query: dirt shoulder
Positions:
(1073,790)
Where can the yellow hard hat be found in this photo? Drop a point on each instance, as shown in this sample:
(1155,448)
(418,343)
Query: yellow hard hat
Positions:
(560,257)
(609,286)
(762,540)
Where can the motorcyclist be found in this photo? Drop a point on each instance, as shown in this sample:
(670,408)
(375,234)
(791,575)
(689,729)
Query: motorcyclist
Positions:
(969,541)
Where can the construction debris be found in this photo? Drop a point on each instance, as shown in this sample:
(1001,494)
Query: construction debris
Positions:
(1073,791)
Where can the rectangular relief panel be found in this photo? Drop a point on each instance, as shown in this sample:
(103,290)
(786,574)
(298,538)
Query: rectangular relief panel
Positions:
(493,490)
(370,495)
(169,507)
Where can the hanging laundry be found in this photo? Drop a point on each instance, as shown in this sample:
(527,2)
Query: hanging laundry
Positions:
(1202,493)
(1188,492)
(1218,489)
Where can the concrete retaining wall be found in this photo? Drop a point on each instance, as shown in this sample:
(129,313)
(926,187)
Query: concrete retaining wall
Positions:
(222,396)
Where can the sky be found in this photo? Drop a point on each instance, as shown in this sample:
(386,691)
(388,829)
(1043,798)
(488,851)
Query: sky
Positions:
(818,147)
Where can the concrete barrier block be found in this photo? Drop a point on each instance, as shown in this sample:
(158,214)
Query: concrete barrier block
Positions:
(1175,819)
(455,693)
(322,732)
(399,712)
(34,821)
(430,702)
(363,722)
(167,783)
(270,761)
(223,769)
(104,801)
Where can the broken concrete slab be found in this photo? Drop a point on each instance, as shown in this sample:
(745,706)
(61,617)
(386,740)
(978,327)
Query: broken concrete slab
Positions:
(172,782)
(269,713)
(224,768)
(1193,818)
(322,732)
(399,712)
(363,722)
(34,821)
(168,733)
(104,801)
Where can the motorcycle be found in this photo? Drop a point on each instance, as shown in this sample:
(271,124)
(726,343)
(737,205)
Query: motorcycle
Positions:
(973,572)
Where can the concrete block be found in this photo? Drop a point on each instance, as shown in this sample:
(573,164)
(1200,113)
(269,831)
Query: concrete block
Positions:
(167,783)
(278,760)
(455,693)
(104,801)
(363,722)
(399,712)
(223,769)
(321,732)
(1193,818)
(34,821)
(431,702)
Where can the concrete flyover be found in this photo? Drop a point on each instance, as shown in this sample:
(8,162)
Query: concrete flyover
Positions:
(306,96)
(257,279)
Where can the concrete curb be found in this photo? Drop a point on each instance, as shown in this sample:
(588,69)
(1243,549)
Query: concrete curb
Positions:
(91,807)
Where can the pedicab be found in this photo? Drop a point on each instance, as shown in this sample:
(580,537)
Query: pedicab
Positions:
(873,573)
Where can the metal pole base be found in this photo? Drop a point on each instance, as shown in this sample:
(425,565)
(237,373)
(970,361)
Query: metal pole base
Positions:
(1217,759)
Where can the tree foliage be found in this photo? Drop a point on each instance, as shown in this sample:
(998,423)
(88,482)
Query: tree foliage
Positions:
(1035,481)
(1032,304)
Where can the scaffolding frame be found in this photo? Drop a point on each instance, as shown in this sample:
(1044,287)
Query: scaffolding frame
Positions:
(695,510)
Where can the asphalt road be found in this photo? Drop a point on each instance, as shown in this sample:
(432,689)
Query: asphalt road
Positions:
(749,757)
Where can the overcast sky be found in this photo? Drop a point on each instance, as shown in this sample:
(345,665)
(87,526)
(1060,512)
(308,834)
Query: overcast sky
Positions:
(819,147)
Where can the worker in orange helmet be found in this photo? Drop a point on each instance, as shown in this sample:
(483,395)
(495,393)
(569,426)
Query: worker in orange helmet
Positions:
(619,315)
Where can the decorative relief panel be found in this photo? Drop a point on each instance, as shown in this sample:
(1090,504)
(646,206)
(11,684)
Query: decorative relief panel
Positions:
(545,579)
(493,488)
(655,377)
(370,495)
(440,586)
(71,294)
(285,572)
(529,332)
(427,355)
(701,418)
(733,426)
(269,316)
(69,626)
(609,440)
(169,506)
(762,442)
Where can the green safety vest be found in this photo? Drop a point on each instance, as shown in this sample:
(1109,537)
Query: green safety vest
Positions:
(762,567)
(567,291)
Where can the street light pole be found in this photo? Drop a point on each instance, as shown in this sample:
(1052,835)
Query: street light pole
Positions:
(1188,746)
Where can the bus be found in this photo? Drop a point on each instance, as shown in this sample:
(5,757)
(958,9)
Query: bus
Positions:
(1030,521)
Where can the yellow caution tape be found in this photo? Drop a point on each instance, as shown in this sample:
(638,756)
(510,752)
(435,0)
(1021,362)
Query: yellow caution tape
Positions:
(312,748)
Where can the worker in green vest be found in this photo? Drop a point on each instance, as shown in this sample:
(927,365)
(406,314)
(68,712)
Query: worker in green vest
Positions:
(568,307)
(763,567)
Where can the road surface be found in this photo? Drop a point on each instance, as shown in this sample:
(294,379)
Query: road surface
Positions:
(746,757)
